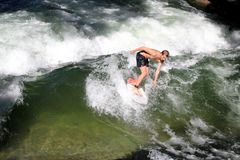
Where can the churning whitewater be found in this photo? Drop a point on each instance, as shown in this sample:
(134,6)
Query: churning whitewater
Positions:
(66,63)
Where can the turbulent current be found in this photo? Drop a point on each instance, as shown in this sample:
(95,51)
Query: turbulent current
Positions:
(63,71)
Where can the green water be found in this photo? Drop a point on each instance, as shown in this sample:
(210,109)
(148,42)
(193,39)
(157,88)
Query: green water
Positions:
(190,105)
(54,122)
(63,72)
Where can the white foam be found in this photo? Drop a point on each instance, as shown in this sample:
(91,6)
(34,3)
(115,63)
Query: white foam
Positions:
(198,138)
(156,155)
(194,131)
(198,123)
(222,72)
(225,154)
(235,38)
(10,94)
(174,139)
(28,44)
(177,102)
(109,94)
(110,10)
(182,31)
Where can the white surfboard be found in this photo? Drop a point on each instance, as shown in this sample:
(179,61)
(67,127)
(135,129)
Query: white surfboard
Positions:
(137,94)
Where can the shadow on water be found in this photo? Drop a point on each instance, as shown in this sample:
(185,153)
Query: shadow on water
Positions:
(89,17)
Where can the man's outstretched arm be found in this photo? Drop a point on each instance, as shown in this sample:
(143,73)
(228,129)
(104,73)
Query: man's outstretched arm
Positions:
(145,49)
(150,51)
(137,49)
(157,73)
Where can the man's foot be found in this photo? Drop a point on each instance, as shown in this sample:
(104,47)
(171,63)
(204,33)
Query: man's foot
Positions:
(132,81)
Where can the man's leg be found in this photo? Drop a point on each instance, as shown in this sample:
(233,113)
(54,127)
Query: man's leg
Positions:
(144,73)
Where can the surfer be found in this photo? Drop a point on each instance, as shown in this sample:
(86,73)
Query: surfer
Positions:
(143,54)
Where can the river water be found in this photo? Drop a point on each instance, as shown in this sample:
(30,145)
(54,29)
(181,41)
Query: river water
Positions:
(63,71)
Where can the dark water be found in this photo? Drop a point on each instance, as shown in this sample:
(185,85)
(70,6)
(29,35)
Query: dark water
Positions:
(63,72)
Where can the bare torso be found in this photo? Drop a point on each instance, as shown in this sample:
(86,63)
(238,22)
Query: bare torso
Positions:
(154,56)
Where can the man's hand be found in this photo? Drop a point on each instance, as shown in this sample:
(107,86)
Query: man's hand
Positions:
(133,51)
(154,84)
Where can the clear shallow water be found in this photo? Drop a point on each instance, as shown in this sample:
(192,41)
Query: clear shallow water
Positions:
(64,64)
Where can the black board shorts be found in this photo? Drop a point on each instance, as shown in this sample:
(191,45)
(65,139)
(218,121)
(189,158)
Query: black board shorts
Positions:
(141,60)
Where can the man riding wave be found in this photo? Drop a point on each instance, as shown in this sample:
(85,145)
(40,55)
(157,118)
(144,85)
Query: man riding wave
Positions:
(143,54)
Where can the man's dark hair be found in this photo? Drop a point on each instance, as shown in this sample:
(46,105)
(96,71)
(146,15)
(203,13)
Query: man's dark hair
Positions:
(165,52)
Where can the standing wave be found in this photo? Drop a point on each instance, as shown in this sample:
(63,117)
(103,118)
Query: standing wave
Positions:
(190,114)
